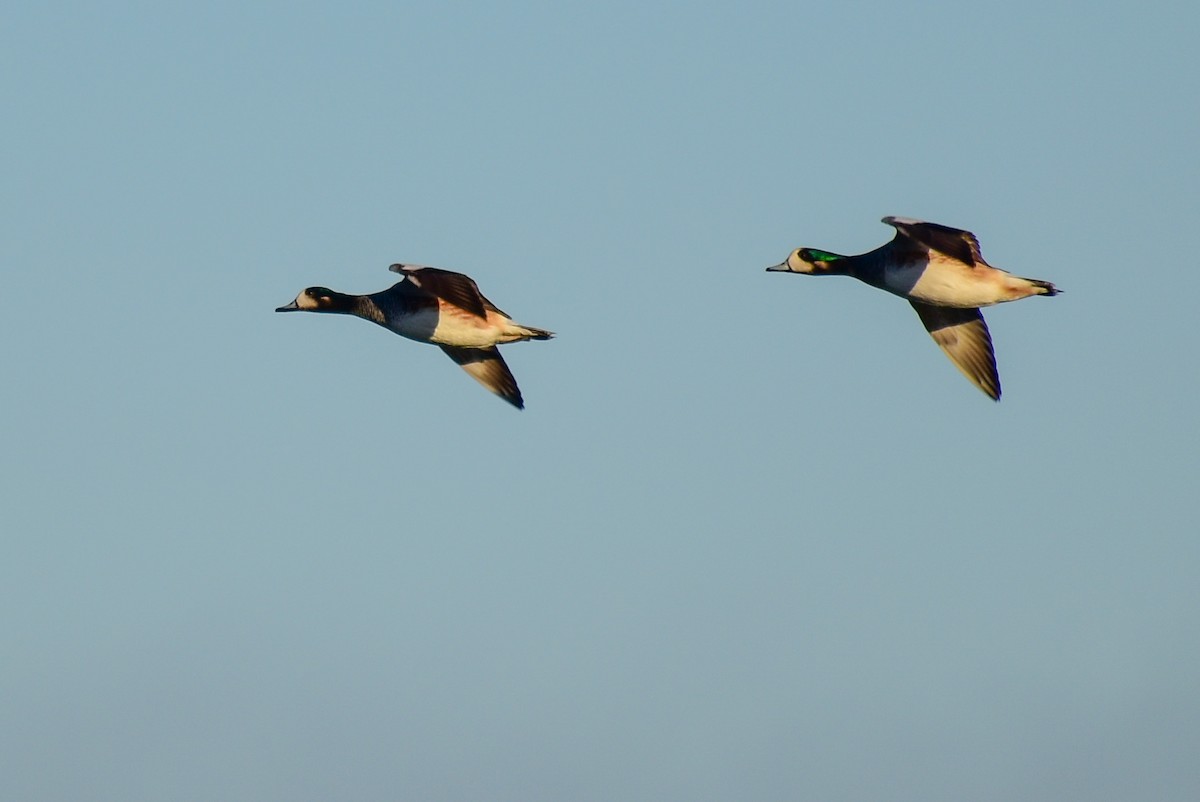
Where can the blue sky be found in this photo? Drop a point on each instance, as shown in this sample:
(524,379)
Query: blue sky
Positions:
(754,537)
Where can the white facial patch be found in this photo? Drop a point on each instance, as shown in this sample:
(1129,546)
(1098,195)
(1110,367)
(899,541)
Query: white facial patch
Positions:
(798,265)
(305,301)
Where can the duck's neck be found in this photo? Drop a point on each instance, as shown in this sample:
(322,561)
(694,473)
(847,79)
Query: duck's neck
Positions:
(838,265)
(866,267)
(341,303)
(364,306)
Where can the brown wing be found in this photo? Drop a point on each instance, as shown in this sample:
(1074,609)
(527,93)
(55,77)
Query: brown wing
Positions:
(954,242)
(963,336)
(454,288)
(487,367)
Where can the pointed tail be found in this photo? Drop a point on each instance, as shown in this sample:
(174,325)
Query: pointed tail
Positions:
(536,334)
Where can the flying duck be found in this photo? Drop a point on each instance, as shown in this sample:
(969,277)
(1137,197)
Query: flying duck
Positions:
(943,275)
(440,307)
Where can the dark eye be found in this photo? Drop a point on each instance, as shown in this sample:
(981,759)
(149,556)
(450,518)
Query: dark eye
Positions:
(806,254)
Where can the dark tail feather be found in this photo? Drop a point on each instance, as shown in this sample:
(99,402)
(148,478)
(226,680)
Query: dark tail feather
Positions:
(538,334)
(1049,288)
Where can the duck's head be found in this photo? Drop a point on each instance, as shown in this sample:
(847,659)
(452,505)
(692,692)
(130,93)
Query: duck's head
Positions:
(317,299)
(808,260)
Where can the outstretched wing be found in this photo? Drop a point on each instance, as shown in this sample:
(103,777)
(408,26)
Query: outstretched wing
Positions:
(488,368)
(954,242)
(963,335)
(454,288)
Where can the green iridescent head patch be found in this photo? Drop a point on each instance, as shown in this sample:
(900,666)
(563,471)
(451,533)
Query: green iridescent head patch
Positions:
(813,255)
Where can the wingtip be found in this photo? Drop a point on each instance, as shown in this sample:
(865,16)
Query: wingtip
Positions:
(989,384)
(516,400)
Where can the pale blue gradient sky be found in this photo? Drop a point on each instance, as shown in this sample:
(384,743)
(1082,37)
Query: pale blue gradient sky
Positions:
(753,538)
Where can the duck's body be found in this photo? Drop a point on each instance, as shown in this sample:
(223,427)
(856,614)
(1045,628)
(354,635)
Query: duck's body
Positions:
(942,273)
(439,307)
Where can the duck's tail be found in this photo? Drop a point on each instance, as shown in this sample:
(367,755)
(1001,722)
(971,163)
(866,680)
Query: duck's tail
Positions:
(538,334)
(1044,287)
(515,332)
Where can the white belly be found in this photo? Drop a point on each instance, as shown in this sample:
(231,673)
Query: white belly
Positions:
(441,328)
(942,285)
(464,332)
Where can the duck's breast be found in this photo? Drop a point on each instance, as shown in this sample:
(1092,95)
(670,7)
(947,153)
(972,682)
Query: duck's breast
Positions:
(416,324)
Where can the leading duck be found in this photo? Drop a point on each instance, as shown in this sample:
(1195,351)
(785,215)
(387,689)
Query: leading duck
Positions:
(439,307)
(943,275)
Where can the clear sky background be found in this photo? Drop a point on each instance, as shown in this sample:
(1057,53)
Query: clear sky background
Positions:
(754,536)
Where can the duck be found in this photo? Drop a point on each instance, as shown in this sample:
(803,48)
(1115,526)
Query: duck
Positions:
(440,307)
(942,273)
